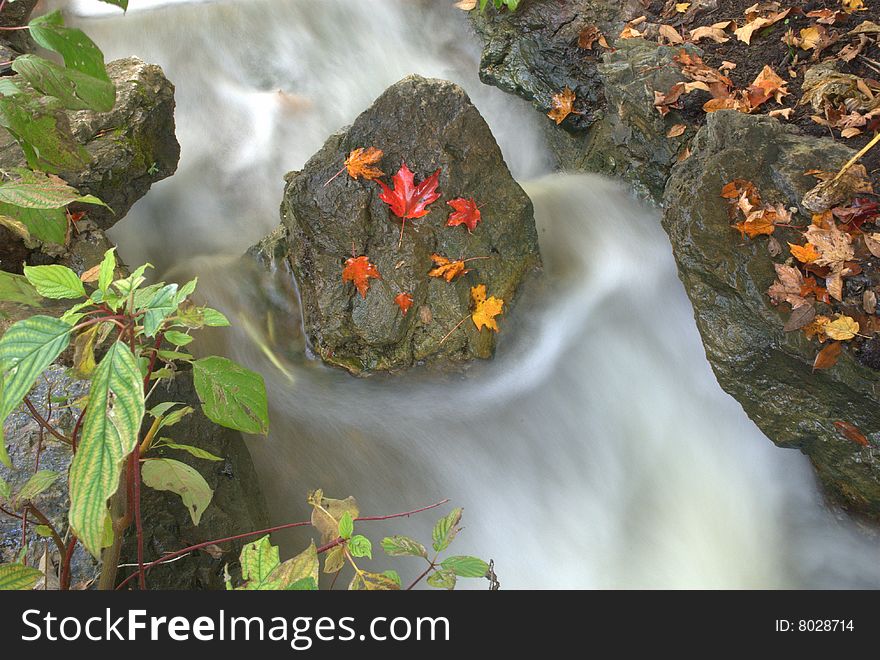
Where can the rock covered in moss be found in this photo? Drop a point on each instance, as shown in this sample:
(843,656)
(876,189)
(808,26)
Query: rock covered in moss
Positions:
(430,125)
(767,370)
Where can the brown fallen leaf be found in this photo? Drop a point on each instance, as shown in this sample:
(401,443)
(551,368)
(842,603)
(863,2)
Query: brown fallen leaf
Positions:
(787,287)
(715,32)
(828,356)
(816,328)
(670,35)
(804,253)
(447,269)
(800,317)
(872,242)
(92,274)
(834,246)
(851,432)
(562,105)
(758,17)
(768,85)
(784,113)
(869,301)
(589,36)
(676,130)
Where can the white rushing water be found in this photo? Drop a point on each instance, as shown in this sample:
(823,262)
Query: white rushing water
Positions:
(597,449)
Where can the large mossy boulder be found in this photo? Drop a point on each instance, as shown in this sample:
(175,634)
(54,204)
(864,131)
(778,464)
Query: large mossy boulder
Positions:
(767,370)
(430,125)
(131,147)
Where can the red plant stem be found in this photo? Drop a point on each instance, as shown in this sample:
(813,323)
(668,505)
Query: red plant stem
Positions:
(136,478)
(153,358)
(75,435)
(59,542)
(329,546)
(65,566)
(419,579)
(43,423)
(270,530)
(19,27)
(10,513)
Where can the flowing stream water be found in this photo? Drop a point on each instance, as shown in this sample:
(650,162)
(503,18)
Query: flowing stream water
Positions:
(595,450)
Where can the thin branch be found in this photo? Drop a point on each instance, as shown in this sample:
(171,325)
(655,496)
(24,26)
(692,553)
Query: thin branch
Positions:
(270,530)
(43,423)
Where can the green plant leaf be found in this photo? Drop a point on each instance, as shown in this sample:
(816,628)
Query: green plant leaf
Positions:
(393,576)
(16,577)
(161,409)
(463,566)
(302,567)
(334,560)
(160,307)
(373,582)
(326,518)
(43,133)
(108,268)
(36,190)
(214,319)
(305,584)
(178,338)
(446,529)
(79,52)
(360,546)
(346,526)
(443,579)
(126,285)
(258,560)
(37,484)
(402,546)
(195,451)
(26,350)
(180,478)
(16,288)
(232,396)
(172,418)
(43,530)
(4,489)
(75,89)
(55,282)
(47,225)
(118,3)
(109,434)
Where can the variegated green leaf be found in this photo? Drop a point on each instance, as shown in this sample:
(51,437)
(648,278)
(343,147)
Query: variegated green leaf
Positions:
(181,479)
(109,434)
(57,282)
(17,577)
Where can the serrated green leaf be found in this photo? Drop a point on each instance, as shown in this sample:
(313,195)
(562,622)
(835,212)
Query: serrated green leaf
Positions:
(43,133)
(159,308)
(186,291)
(393,576)
(258,560)
(47,225)
(214,319)
(16,577)
(305,584)
(75,89)
(79,52)
(108,268)
(178,338)
(373,582)
(464,566)
(443,579)
(181,479)
(26,350)
(37,484)
(195,451)
(360,546)
(16,288)
(109,434)
(56,282)
(346,525)
(402,546)
(36,190)
(128,284)
(175,355)
(72,315)
(446,529)
(232,396)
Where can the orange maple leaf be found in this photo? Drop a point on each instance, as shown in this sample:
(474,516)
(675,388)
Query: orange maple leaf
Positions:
(360,163)
(804,253)
(486,308)
(404,301)
(466,213)
(359,270)
(447,268)
(562,105)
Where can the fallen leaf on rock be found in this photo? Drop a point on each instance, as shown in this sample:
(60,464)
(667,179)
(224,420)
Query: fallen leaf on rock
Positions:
(784,113)
(810,288)
(447,269)
(562,105)
(828,356)
(408,200)
(842,328)
(804,253)
(359,270)
(629,31)
(589,36)
(872,241)
(486,308)
(869,301)
(758,17)
(676,130)
(715,32)
(404,301)
(800,317)
(361,163)
(835,190)
(768,85)
(670,35)
(466,213)
(850,6)
(851,432)
(787,287)
(816,328)
(834,246)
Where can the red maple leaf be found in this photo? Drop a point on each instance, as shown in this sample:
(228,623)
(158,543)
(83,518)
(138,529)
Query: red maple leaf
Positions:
(466,213)
(408,200)
(404,301)
(359,270)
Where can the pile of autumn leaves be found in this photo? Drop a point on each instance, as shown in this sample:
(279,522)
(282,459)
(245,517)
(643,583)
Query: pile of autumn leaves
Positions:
(832,247)
(407,200)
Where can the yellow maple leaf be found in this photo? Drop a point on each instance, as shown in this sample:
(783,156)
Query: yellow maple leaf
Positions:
(842,328)
(486,308)
(804,253)
(360,162)
(447,268)
(849,6)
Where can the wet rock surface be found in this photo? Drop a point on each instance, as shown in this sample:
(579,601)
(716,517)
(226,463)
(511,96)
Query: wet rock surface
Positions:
(767,370)
(429,125)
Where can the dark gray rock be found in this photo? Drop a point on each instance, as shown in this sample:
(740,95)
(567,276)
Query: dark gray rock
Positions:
(533,53)
(767,370)
(429,124)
